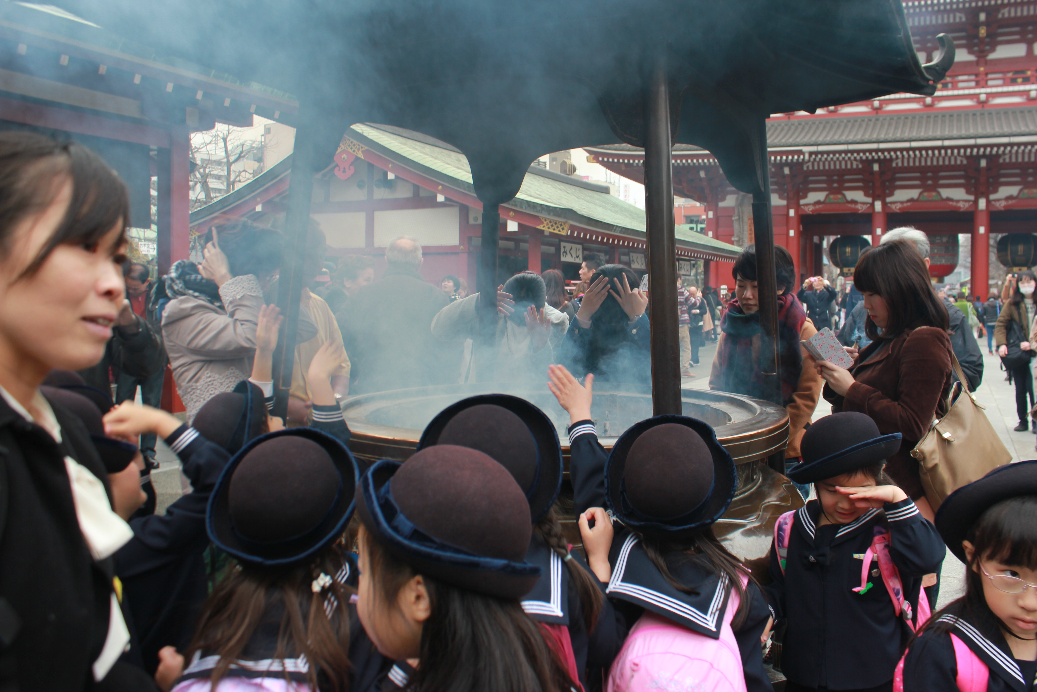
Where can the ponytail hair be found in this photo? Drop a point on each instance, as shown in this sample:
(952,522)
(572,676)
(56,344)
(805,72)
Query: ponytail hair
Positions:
(470,641)
(591,598)
(705,551)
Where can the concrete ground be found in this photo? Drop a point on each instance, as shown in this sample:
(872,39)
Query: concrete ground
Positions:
(995,395)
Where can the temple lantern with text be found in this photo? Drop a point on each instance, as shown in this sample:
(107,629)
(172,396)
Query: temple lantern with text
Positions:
(844,251)
(1017,251)
(943,255)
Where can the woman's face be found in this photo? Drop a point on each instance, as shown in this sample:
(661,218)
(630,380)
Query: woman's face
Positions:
(62,315)
(747,293)
(1026,285)
(394,628)
(363,277)
(448,287)
(877,310)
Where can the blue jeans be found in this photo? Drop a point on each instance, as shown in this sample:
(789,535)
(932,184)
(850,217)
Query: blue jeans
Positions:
(150,395)
(990,336)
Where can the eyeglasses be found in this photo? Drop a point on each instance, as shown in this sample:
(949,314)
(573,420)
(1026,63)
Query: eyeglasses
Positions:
(1007,584)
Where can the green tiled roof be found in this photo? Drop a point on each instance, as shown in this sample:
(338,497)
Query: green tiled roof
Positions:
(542,193)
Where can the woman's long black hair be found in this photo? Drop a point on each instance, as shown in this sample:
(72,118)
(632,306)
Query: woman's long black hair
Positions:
(1017,295)
(896,272)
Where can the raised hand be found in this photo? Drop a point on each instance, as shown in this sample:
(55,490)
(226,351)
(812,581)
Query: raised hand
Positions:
(505,305)
(215,266)
(267,329)
(574,397)
(632,301)
(874,496)
(128,421)
(597,541)
(593,297)
(538,326)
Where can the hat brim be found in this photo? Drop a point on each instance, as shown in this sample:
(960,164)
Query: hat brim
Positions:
(963,508)
(489,576)
(115,454)
(725,479)
(867,453)
(549,478)
(221,529)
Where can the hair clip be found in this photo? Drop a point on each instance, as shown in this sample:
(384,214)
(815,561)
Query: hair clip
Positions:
(568,556)
(320,583)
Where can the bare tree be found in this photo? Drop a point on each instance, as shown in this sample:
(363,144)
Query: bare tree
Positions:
(223,159)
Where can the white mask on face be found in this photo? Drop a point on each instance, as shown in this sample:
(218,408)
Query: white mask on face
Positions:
(1027,289)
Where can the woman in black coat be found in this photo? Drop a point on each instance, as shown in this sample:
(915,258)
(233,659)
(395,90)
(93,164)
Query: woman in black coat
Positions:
(63,215)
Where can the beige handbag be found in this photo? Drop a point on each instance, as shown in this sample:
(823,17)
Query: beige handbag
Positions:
(707,321)
(959,448)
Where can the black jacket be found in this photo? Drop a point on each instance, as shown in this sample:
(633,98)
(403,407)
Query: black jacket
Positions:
(817,304)
(386,329)
(162,568)
(963,342)
(837,638)
(990,312)
(58,598)
(625,359)
(931,663)
(136,350)
(637,585)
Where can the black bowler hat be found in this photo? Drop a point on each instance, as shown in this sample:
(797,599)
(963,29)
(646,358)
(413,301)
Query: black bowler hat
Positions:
(115,454)
(453,514)
(512,431)
(232,419)
(283,497)
(963,508)
(842,443)
(668,475)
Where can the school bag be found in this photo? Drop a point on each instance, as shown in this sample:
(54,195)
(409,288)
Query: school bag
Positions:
(973,674)
(878,551)
(558,639)
(662,655)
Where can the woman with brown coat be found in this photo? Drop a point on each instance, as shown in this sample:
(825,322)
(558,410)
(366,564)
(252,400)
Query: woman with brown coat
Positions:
(901,379)
(1013,327)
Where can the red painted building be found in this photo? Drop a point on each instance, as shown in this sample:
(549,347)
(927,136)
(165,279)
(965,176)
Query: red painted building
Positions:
(962,162)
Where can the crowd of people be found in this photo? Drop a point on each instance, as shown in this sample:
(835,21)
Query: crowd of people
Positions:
(290,564)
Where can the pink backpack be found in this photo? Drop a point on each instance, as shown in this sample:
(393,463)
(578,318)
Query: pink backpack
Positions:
(973,674)
(878,551)
(662,655)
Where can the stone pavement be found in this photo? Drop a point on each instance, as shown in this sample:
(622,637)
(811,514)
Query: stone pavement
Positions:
(995,395)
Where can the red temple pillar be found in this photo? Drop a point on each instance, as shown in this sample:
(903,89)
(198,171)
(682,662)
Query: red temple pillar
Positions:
(981,249)
(878,222)
(174,204)
(711,220)
(792,243)
(534,235)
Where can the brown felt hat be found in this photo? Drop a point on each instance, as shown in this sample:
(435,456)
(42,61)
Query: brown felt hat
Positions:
(512,431)
(669,475)
(453,514)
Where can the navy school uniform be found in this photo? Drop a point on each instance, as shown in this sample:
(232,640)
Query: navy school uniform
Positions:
(837,638)
(931,664)
(637,585)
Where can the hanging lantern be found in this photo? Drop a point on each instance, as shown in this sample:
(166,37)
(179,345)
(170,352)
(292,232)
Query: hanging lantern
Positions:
(844,251)
(1017,251)
(943,255)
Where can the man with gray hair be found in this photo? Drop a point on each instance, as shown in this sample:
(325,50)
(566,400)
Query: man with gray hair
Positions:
(962,339)
(387,327)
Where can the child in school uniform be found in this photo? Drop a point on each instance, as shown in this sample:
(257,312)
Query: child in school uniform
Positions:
(568,600)
(843,630)
(442,574)
(667,480)
(987,639)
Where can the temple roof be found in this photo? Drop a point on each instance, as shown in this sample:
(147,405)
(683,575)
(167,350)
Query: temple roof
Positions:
(888,130)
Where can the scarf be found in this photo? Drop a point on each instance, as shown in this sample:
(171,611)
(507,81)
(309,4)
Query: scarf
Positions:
(183,279)
(740,358)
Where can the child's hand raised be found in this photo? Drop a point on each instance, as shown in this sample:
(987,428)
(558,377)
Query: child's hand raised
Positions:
(597,541)
(873,496)
(326,362)
(128,421)
(267,329)
(574,397)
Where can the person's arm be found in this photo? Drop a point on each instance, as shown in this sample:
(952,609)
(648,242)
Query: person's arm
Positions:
(750,646)
(327,414)
(807,394)
(924,362)
(716,370)
(586,455)
(216,335)
(969,355)
(1001,327)
(456,321)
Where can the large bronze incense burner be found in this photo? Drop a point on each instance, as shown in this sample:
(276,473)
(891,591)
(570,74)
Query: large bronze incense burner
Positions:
(388,425)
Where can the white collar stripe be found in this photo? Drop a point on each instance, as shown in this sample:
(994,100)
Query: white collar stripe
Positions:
(398,676)
(860,520)
(997,654)
(554,608)
(616,585)
(808,523)
(274,665)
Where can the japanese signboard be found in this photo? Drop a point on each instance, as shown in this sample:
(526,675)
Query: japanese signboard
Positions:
(637,260)
(684,267)
(571,252)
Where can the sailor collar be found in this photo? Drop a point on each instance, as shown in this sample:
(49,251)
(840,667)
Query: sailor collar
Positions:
(637,580)
(548,600)
(997,659)
(807,518)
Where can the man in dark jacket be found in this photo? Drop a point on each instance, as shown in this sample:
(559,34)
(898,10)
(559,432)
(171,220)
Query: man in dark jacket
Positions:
(991,309)
(386,327)
(966,350)
(817,296)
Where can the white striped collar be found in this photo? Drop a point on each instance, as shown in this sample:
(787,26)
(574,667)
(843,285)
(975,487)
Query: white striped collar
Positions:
(268,665)
(987,649)
(552,608)
(862,519)
(708,620)
(807,522)
(398,676)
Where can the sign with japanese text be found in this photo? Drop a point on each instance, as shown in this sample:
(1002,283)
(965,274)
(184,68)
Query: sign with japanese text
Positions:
(637,260)
(684,267)
(571,252)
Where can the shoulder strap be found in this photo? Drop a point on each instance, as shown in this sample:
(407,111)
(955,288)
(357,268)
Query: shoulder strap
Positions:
(973,674)
(782,533)
(894,585)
